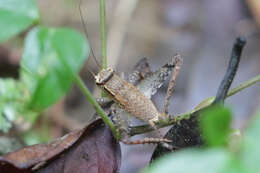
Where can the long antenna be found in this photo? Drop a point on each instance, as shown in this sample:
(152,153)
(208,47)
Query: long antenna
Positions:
(86,33)
(92,73)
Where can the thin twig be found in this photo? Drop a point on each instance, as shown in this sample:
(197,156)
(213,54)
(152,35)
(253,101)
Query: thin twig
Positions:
(231,70)
(244,85)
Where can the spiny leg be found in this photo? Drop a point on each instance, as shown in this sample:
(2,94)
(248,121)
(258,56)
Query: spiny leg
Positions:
(178,63)
(146,141)
(162,141)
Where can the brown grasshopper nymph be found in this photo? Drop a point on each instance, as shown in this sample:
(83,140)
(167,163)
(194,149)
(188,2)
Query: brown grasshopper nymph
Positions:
(129,97)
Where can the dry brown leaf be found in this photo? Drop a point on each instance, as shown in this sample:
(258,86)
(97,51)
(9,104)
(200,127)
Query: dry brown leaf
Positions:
(92,149)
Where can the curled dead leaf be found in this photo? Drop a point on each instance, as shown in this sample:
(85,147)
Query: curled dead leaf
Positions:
(92,149)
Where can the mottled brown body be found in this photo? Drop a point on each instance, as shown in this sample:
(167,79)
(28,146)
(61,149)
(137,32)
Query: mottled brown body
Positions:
(134,101)
(128,96)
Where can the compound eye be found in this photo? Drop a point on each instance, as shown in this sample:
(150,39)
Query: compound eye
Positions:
(98,79)
(110,70)
(104,76)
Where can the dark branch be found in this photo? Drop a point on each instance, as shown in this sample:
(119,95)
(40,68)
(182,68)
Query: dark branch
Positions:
(231,70)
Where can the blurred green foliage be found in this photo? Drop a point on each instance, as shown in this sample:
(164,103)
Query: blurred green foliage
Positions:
(216,157)
(13,98)
(16,16)
(37,136)
(51,59)
(250,151)
(215,125)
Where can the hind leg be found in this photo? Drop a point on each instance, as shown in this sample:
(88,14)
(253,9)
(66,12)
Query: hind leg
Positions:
(178,63)
(146,141)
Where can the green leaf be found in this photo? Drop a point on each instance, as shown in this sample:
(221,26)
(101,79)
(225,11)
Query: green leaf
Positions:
(16,16)
(51,59)
(215,124)
(196,161)
(250,152)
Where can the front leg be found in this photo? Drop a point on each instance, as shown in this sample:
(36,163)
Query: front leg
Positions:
(121,122)
(104,101)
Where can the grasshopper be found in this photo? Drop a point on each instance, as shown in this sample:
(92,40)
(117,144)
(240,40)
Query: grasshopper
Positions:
(130,99)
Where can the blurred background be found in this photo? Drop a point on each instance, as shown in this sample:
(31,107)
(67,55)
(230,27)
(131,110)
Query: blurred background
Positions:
(202,31)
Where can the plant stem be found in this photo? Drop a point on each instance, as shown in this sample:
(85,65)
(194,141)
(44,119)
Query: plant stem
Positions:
(102,9)
(244,85)
(97,107)
(103,29)
(235,90)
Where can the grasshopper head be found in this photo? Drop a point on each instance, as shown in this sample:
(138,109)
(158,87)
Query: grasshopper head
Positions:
(103,76)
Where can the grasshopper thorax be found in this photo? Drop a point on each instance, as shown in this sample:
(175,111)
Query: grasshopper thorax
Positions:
(103,76)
